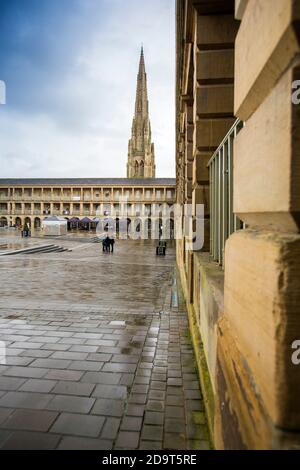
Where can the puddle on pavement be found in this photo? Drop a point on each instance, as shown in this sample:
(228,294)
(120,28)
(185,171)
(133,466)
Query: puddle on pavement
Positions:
(126,351)
(136,344)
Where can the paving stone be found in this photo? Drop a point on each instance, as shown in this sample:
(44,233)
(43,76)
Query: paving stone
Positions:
(123,358)
(154,417)
(174,373)
(127,440)
(174,425)
(10,383)
(111,428)
(44,339)
(86,366)
(118,367)
(31,441)
(159,377)
(174,400)
(174,412)
(4,435)
(71,403)
(33,372)
(143,373)
(70,341)
(27,345)
(34,353)
(194,405)
(77,443)
(101,378)
(142,380)
(154,385)
(108,407)
(175,391)
(101,342)
(51,363)
(30,420)
(174,441)
(116,392)
(150,445)
(130,423)
(157,395)
(192,394)
(138,388)
(175,382)
(196,431)
(152,433)
(74,388)
(155,405)
(138,398)
(18,361)
(127,380)
(38,385)
(25,400)
(99,357)
(55,347)
(4,413)
(74,356)
(78,424)
(135,410)
(60,374)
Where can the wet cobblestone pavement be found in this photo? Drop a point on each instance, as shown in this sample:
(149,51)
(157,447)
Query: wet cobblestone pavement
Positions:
(96,356)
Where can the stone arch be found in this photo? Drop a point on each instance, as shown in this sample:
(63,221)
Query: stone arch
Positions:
(148,227)
(18,222)
(28,221)
(3,222)
(37,223)
(136,168)
(141,169)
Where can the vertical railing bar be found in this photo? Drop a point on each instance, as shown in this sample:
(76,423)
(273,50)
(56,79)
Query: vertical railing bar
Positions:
(211,182)
(216,207)
(230,170)
(223,221)
(220,237)
(225,197)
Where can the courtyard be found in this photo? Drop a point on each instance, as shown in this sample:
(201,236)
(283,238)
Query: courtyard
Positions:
(97,349)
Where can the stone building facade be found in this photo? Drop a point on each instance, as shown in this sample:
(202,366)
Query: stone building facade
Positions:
(32,200)
(240,60)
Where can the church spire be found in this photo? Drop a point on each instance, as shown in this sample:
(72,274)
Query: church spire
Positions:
(141,159)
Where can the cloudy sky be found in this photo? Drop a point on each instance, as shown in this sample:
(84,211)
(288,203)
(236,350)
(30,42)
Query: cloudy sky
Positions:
(70,70)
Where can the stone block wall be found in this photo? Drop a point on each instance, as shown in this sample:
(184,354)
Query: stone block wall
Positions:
(242,60)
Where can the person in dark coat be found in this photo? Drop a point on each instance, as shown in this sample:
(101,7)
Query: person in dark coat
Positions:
(107,243)
(112,242)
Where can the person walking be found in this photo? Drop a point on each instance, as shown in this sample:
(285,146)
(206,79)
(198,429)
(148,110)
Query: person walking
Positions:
(112,242)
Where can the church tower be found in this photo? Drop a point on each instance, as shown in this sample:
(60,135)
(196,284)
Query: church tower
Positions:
(141,158)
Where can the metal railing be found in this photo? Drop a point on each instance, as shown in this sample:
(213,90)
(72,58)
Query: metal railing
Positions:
(223,222)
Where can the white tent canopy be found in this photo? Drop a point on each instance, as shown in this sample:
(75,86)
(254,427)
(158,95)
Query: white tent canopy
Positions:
(55,226)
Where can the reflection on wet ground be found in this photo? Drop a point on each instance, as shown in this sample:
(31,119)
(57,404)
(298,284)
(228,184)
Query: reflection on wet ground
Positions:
(96,356)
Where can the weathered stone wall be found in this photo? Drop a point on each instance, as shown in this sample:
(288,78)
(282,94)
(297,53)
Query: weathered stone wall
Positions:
(244,320)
